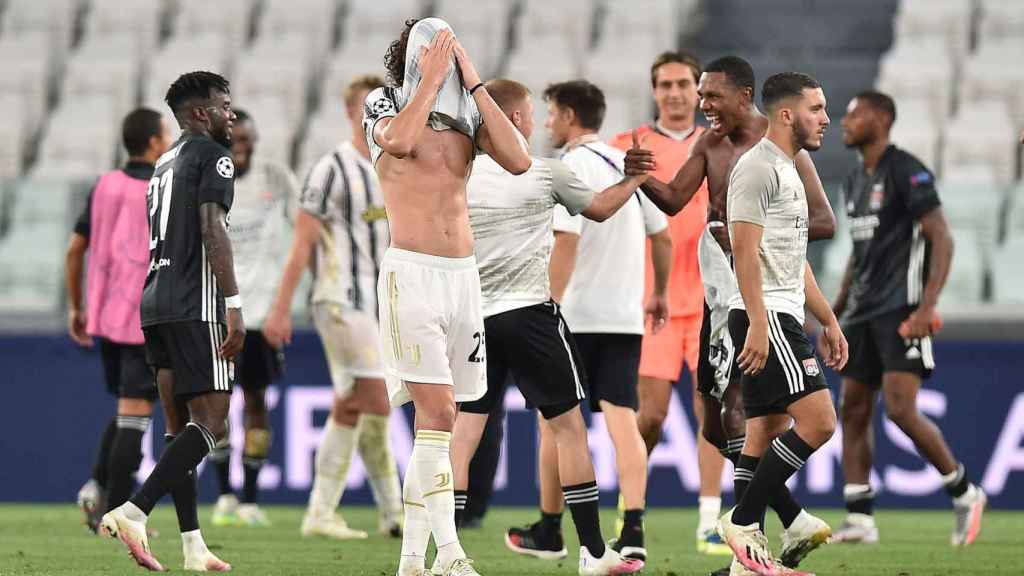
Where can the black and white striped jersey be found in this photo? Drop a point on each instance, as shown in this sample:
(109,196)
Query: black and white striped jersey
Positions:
(180,284)
(890,253)
(343,192)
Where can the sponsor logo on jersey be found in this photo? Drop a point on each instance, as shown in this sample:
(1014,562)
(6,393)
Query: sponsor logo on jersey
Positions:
(811,367)
(863,227)
(374,213)
(158,264)
(225,167)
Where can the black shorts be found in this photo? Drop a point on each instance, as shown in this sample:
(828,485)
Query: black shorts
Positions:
(876,348)
(709,356)
(258,364)
(126,371)
(189,349)
(791,372)
(612,365)
(534,345)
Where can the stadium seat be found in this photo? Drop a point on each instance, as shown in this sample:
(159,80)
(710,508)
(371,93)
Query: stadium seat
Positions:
(570,20)
(972,200)
(616,69)
(72,148)
(950,19)
(918,130)
(622,113)
(982,133)
(259,75)
(1001,19)
(1008,281)
(25,71)
(314,19)
(373,17)
(327,128)
(54,19)
(481,27)
(653,22)
(114,78)
(837,253)
(276,131)
(184,54)
(13,135)
(232,18)
(1015,213)
(966,282)
(140,18)
(994,72)
(919,68)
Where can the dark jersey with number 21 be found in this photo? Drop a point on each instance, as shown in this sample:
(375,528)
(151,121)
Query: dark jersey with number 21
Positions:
(180,285)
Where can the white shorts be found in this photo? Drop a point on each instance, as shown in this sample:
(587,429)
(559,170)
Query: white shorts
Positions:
(351,341)
(719,287)
(431,324)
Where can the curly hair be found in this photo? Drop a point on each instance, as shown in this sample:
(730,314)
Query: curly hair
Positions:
(394,58)
(191,85)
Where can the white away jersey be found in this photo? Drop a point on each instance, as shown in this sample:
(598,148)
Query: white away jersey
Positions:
(605,293)
(343,192)
(765,189)
(260,234)
(511,217)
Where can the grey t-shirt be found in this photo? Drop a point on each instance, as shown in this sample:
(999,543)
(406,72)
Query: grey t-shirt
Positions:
(765,189)
(511,217)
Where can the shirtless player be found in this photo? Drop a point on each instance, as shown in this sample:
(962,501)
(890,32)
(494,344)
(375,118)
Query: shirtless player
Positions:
(726,92)
(423,131)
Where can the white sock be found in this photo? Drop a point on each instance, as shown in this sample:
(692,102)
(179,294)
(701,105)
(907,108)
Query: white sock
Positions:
(861,520)
(332,461)
(434,473)
(802,518)
(416,532)
(192,542)
(710,508)
(381,471)
(133,512)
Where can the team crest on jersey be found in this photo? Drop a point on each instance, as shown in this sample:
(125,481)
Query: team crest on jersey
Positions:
(383,106)
(225,167)
(877,195)
(811,367)
(231,370)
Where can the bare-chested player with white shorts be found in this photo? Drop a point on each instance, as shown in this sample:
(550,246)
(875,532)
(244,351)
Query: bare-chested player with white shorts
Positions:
(423,131)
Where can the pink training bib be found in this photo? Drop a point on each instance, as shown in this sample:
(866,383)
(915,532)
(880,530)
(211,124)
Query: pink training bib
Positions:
(118,257)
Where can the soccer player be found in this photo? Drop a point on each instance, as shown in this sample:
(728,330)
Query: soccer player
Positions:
(260,230)
(597,275)
(726,92)
(341,220)
(190,294)
(422,132)
(111,229)
(902,251)
(783,385)
(526,334)
(674,78)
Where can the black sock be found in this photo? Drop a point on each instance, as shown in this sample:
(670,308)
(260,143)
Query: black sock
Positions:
(582,502)
(786,455)
(251,487)
(742,475)
(461,497)
(220,457)
(99,467)
(785,506)
(860,499)
(551,522)
(957,486)
(125,457)
(632,528)
(184,496)
(732,450)
(175,464)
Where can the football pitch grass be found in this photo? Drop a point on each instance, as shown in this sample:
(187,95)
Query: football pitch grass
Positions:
(49,540)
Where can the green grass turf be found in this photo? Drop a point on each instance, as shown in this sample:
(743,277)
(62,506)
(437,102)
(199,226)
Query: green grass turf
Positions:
(49,540)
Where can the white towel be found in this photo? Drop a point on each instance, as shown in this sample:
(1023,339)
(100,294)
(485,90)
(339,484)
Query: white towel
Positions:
(719,286)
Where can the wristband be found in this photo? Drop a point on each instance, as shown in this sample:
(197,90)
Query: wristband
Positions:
(478,86)
(233,301)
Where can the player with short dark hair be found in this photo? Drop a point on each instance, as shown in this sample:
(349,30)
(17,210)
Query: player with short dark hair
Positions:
(726,92)
(585,100)
(111,230)
(189,295)
(902,251)
(788,407)
(261,228)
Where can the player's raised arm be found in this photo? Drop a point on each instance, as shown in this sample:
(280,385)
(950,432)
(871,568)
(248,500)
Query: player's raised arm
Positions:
(498,137)
(821,223)
(673,196)
(398,135)
(213,228)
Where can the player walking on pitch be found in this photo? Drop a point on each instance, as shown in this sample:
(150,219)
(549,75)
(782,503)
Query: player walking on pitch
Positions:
(422,132)
(190,294)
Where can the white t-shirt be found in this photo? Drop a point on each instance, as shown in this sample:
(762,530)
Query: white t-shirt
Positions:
(605,293)
(512,229)
(260,232)
(765,189)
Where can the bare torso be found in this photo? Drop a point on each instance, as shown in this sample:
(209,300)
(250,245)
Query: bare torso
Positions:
(425,195)
(721,154)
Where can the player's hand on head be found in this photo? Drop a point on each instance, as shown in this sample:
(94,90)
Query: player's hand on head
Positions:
(435,59)
(236,334)
(833,347)
(470,77)
(76,328)
(639,161)
(754,355)
(656,310)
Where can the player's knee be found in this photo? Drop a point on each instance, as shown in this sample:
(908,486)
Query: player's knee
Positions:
(854,409)
(439,418)
(901,411)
